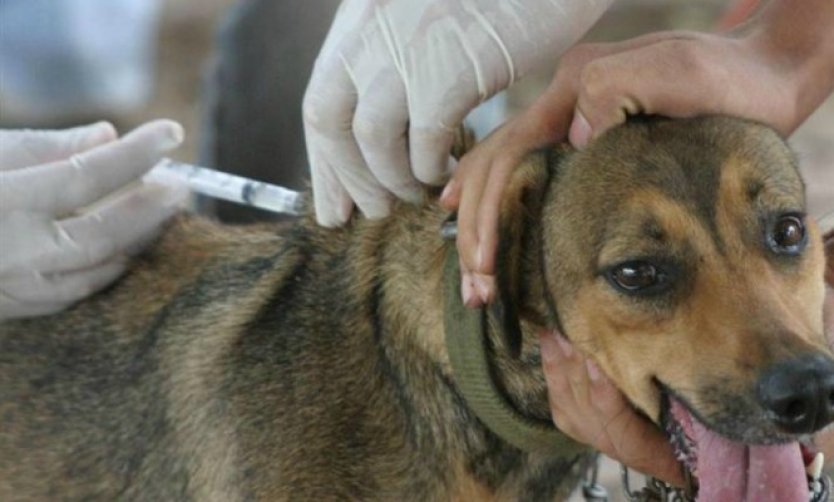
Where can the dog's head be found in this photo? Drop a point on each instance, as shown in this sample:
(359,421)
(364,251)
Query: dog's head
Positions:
(677,254)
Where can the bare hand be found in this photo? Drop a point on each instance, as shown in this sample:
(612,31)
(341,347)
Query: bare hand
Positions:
(681,74)
(587,407)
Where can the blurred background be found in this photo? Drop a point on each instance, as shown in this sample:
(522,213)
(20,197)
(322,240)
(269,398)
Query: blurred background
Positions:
(233,73)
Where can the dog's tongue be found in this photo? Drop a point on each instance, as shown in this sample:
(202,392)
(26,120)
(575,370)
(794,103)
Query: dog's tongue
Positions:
(729,471)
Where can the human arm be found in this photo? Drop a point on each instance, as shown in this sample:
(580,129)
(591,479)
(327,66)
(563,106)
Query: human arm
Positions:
(60,241)
(776,69)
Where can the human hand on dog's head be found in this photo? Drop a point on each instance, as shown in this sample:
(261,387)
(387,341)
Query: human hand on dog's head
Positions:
(760,75)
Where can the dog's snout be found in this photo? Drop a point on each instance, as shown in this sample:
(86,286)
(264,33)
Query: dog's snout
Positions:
(799,394)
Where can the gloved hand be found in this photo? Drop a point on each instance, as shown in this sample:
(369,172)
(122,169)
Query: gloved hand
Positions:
(59,241)
(394,78)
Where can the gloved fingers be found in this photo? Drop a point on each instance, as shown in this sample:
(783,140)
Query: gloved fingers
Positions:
(429,146)
(334,153)
(328,108)
(59,188)
(366,191)
(331,201)
(120,225)
(379,126)
(41,294)
(116,226)
(30,147)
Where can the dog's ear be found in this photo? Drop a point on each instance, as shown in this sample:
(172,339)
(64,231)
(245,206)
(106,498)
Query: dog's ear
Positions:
(518,245)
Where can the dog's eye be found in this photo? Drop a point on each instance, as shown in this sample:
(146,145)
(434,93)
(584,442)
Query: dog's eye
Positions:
(787,235)
(638,277)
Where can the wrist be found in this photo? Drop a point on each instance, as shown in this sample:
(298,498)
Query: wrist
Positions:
(798,48)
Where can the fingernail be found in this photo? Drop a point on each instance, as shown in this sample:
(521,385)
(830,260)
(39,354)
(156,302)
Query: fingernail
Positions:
(580,130)
(593,370)
(174,135)
(177,132)
(482,286)
(412,195)
(479,257)
(564,344)
(375,209)
(103,131)
(448,190)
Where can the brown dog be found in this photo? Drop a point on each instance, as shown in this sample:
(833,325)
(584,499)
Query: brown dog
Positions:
(302,363)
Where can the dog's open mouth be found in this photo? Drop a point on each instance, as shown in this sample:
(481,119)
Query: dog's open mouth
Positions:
(729,470)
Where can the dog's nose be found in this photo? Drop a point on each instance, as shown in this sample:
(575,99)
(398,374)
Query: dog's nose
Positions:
(799,393)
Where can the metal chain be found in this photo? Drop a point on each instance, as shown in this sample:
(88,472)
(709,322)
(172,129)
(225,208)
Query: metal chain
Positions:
(656,490)
(820,489)
(592,491)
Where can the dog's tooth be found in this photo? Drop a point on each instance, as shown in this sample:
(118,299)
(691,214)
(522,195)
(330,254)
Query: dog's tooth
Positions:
(814,469)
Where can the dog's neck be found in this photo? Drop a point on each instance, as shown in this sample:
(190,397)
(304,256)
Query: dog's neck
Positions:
(468,346)
(514,321)
(407,255)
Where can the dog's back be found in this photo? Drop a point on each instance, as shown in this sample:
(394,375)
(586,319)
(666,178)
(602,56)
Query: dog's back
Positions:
(234,364)
(121,389)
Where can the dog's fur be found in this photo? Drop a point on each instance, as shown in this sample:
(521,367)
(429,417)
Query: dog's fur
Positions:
(301,363)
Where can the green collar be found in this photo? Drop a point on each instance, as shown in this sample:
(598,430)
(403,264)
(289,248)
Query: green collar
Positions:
(466,337)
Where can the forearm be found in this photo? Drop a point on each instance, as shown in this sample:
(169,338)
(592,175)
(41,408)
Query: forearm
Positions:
(799,38)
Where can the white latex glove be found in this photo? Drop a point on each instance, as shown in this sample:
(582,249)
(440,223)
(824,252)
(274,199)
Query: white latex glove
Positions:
(59,241)
(396,77)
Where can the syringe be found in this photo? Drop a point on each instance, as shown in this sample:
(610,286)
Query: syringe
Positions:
(220,185)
